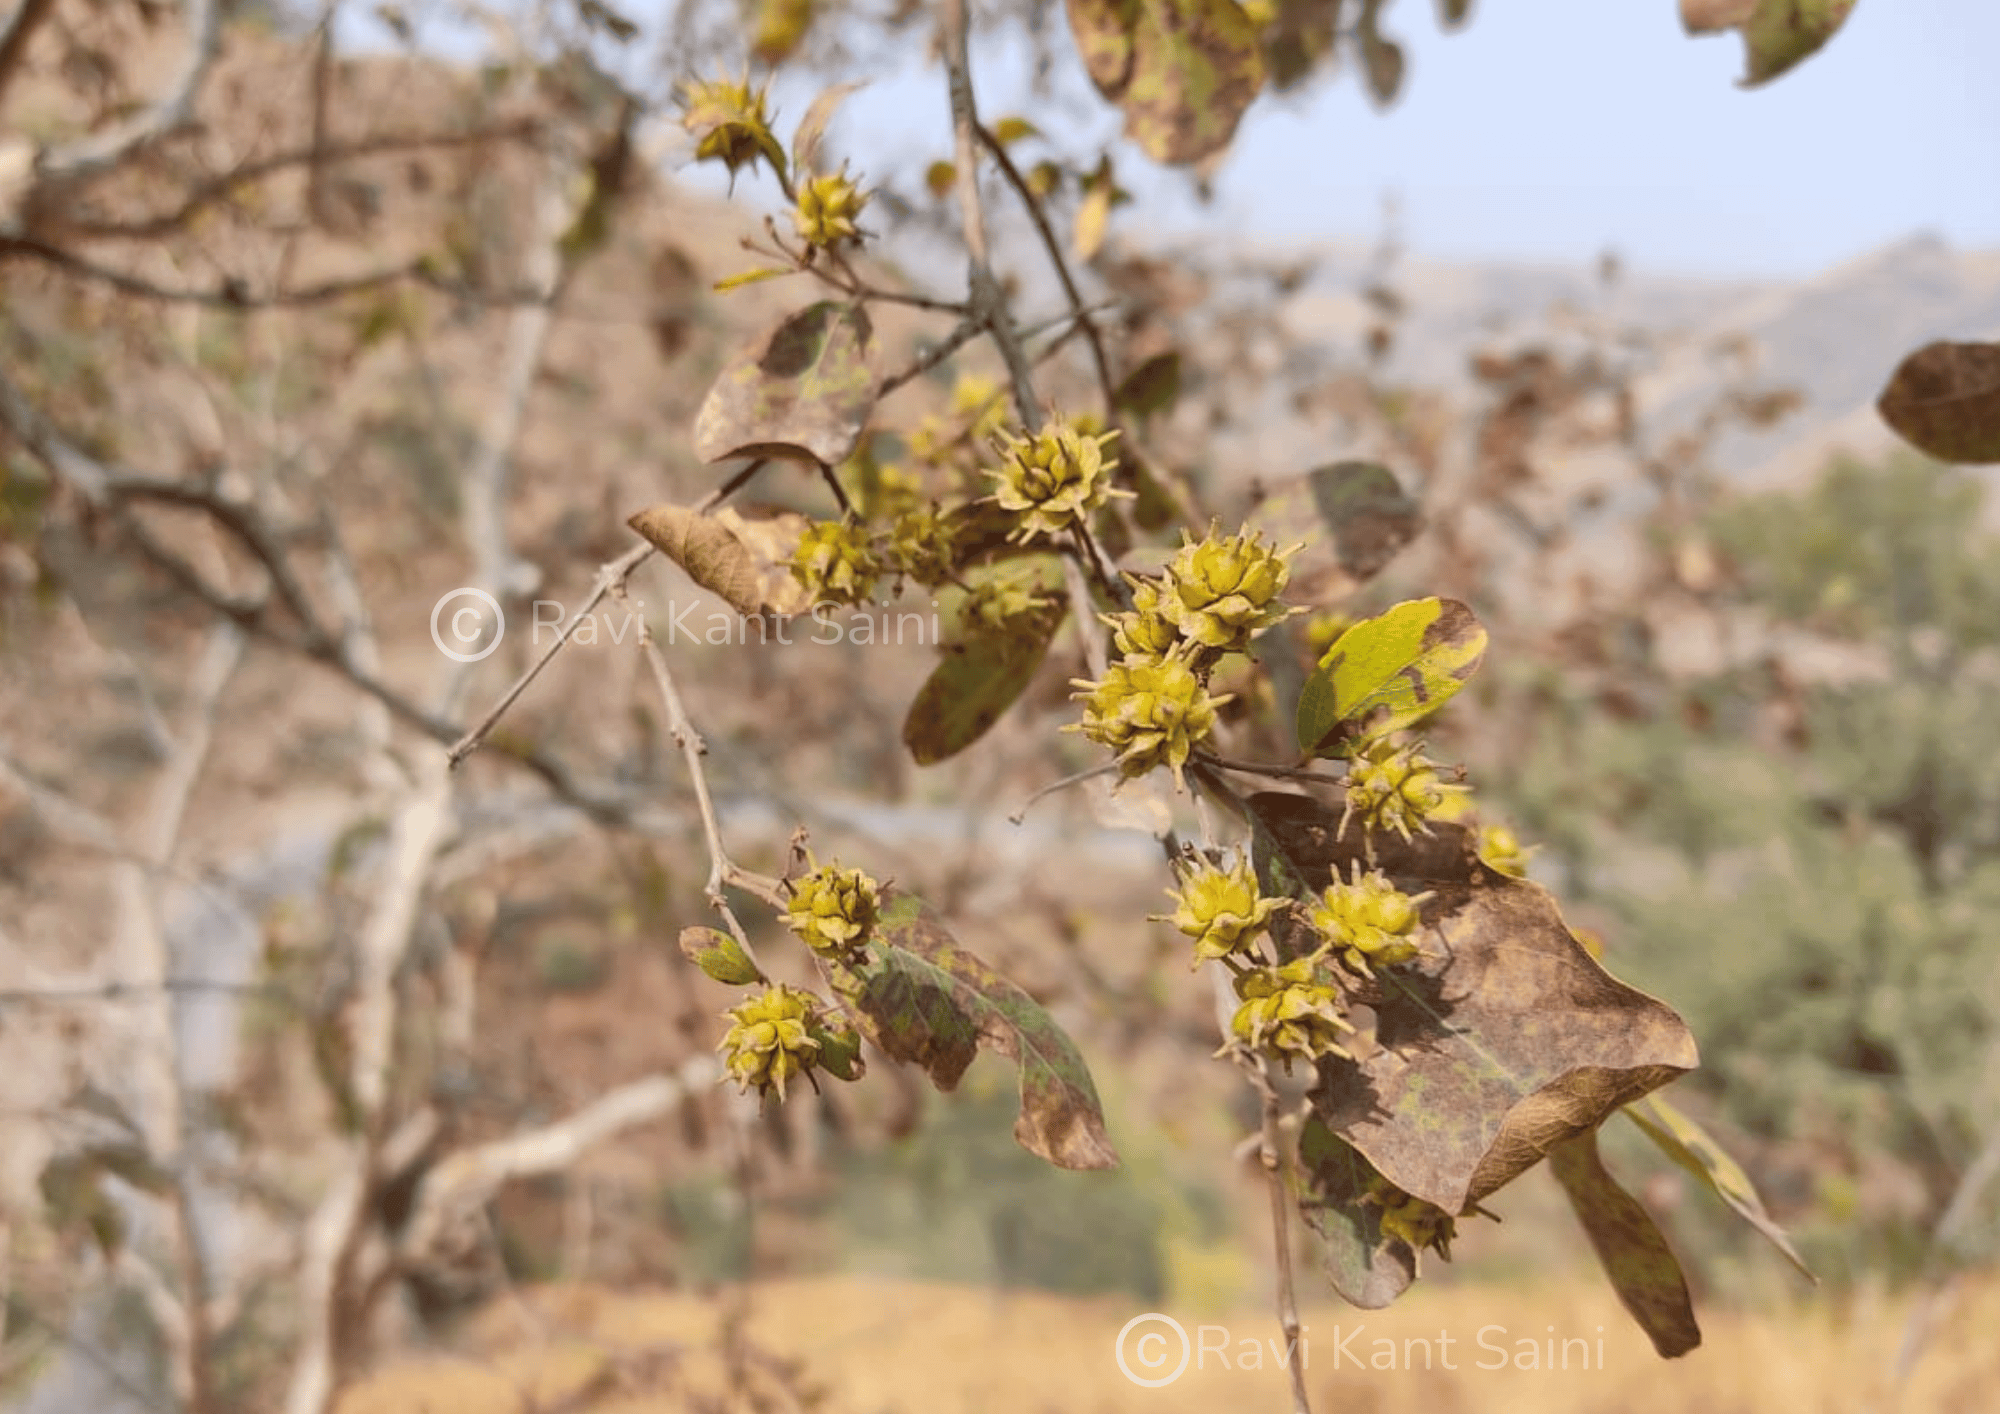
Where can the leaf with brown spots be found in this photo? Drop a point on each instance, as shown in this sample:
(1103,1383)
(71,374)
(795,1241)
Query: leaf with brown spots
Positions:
(1367,1268)
(1777,34)
(1643,1269)
(1944,400)
(983,673)
(1184,71)
(1370,517)
(746,562)
(804,389)
(1388,673)
(920,997)
(1503,1039)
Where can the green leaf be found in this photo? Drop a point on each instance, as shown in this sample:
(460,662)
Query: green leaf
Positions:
(1643,1269)
(839,1051)
(720,956)
(1152,387)
(1503,1039)
(1692,1147)
(1944,400)
(1388,673)
(1368,1269)
(1781,33)
(805,388)
(1184,71)
(982,674)
(922,998)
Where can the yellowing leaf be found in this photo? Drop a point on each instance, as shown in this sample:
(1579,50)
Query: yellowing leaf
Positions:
(803,389)
(1184,71)
(1093,213)
(1012,130)
(1690,1146)
(781,26)
(940,177)
(752,277)
(1944,400)
(1643,1269)
(1388,673)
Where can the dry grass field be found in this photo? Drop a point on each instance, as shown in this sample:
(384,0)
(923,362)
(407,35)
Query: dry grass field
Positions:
(913,1348)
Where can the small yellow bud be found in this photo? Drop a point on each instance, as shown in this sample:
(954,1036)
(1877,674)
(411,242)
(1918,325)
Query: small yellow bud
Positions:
(1289,1013)
(827,210)
(1396,788)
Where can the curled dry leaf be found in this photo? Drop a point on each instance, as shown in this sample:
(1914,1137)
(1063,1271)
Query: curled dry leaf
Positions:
(1944,400)
(747,563)
(811,131)
(803,389)
(1504,1039)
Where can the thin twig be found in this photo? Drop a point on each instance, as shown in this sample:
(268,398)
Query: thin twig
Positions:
(1064,784)
(984,299)
(1087,325)
(609,577)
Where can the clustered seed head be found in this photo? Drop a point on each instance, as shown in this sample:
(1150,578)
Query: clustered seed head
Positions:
(836,562)
(1221,909)
(833,910)
(770,1039)
(1143,631)
(1222,591)
(729,124)
(1370,922)
(1053,479)
(922,546)
(1410,1218)
(1290,1013)
(1151,711)
(828,208)
(1500,850)
(999,605)
(1396,788)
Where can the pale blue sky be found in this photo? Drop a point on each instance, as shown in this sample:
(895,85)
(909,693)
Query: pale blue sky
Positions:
(1551,130)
